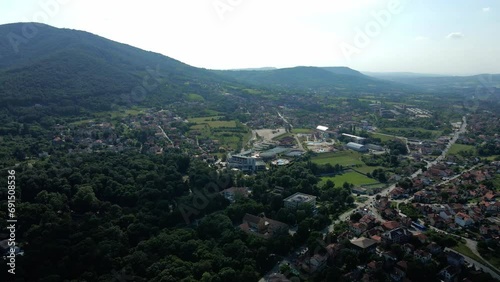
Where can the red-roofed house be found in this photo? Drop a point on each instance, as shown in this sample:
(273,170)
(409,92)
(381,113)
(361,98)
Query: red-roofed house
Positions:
(389,225)
(463,219)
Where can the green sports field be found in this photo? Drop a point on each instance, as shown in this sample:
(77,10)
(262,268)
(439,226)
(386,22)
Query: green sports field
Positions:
(349,177)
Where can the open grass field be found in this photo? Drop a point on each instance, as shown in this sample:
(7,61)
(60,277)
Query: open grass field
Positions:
(302,130)
(493,260)
(232,138)
(463,249)
(213,121)
(382,137)
(405,132)
(194,97)
(493,158)
(349,177)
(367,169)
(455,148)
(344,158)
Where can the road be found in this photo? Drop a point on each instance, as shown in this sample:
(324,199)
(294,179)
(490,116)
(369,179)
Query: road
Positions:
(454,139)
(386,191)
(477,264)
(284,119)
(371,199)
(298,142)
(165,134)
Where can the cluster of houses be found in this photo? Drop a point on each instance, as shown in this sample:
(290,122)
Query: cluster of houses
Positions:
(464,202)
(482,127)
(155,130)
(369,237)
(422,149)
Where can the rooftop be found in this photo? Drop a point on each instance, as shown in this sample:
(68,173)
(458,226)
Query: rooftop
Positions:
(300,198)
(322,128)
(363,242)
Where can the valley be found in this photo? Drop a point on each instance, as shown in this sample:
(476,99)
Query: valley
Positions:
(290,174)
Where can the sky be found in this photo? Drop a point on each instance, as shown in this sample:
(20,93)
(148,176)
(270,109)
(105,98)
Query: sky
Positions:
(440,37)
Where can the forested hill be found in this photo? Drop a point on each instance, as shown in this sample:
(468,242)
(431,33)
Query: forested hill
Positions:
(335,79)
(69,71)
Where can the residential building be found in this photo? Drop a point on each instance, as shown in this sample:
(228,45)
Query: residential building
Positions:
(449,273)
(454,259)
(463,220)
(233,193)
(363,244)
(262,226)
(422,256)
(399,235)
(297,199)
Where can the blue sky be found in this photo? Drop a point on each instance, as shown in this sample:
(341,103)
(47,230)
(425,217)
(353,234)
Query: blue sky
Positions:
(442,37)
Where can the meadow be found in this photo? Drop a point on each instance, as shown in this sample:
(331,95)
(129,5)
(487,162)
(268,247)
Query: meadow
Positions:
(229,133)
(455,148)
(350,177)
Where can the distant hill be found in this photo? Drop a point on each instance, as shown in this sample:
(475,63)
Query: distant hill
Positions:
(433,82)
(396,75)
(63,70)
(254,69)
(344,70)
(339,79)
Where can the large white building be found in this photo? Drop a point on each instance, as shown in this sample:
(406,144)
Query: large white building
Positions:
(298,199)
(357,147)
(357,139)
(245,163)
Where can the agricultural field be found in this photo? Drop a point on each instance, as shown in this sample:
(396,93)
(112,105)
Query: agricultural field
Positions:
(455,148)
(382,137)
(230,133)
(414,132)
(213,122)
(349,177)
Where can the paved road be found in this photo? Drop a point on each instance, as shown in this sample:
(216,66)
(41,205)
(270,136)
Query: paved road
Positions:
(462,130)
(298,142)
(477,264)
(386,191)
(165,134)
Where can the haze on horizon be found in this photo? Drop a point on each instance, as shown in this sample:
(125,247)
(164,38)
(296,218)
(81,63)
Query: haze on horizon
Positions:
(425,36)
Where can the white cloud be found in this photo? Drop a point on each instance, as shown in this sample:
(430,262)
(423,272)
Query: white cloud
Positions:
(486,10)
(455,35)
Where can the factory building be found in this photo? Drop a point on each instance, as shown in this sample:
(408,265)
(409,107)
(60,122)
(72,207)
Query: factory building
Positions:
(357,147)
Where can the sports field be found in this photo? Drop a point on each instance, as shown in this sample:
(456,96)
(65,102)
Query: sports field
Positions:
(344,158)
(349,177)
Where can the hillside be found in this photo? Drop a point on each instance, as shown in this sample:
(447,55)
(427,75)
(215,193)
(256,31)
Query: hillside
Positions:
(63,71)
(434,82)
(329,79)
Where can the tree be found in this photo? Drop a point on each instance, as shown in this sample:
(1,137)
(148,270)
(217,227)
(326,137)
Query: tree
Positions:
(355,217)
(85,199)
(350,200)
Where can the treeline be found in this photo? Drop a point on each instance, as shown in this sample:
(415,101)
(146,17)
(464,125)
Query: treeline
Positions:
(156,218)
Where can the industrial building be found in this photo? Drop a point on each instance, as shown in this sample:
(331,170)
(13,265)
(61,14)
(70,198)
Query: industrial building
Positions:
(355,138)
(357,147)
(374,147)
